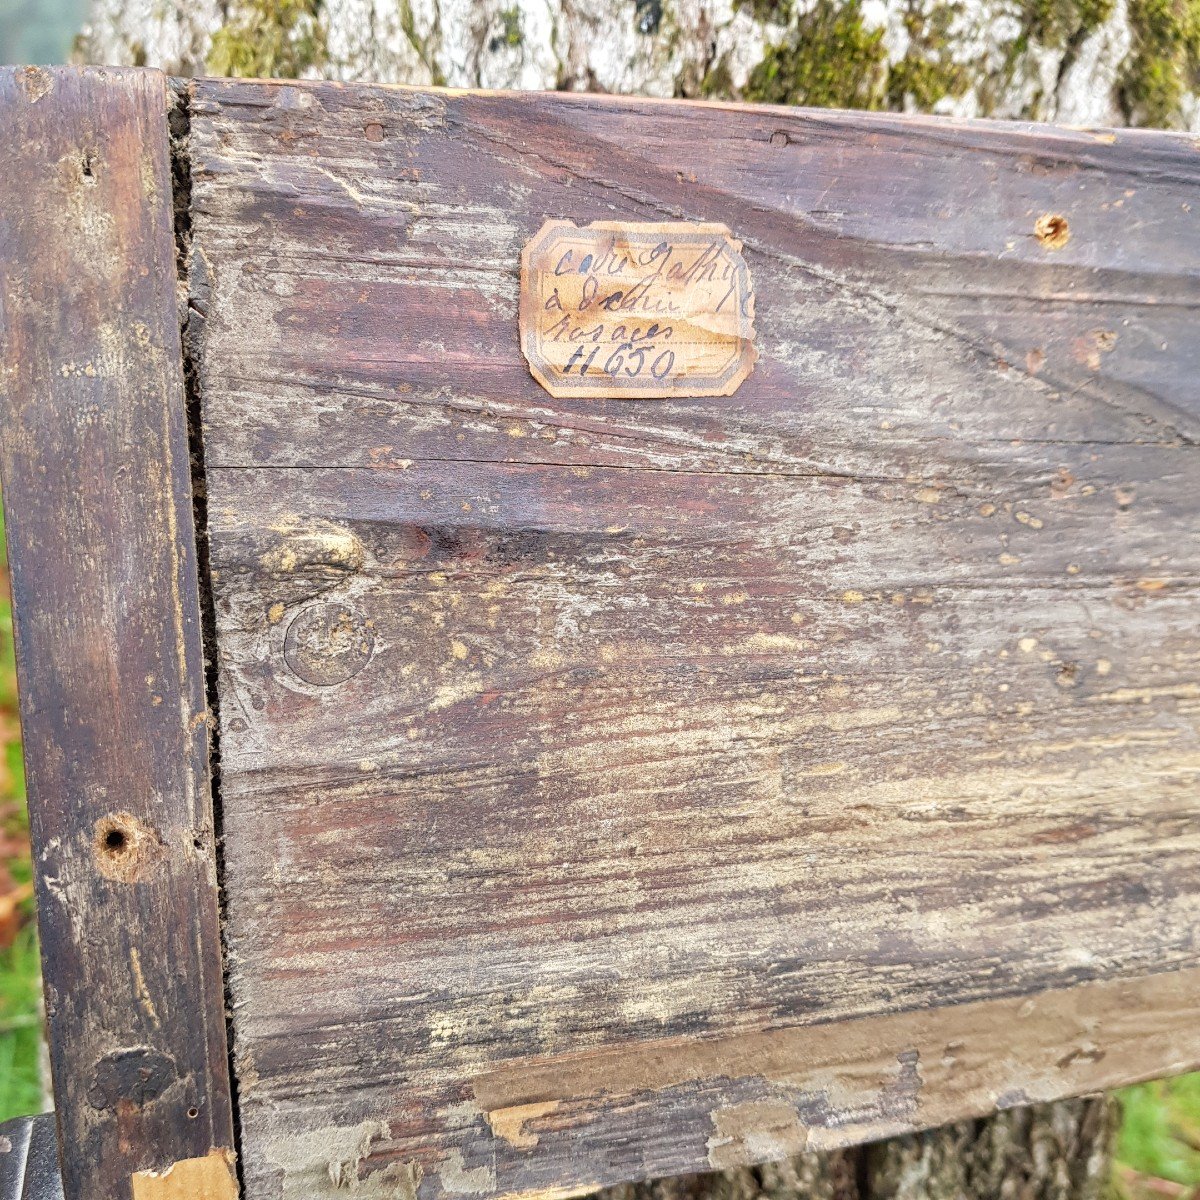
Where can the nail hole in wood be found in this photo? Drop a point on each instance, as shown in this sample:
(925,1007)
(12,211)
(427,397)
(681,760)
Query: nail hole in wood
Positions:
(1052,230)
(126,849)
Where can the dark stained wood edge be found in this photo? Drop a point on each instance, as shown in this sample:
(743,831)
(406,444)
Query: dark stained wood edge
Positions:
(97,494)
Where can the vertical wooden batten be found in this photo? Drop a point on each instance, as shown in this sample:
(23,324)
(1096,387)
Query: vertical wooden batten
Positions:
(97,494)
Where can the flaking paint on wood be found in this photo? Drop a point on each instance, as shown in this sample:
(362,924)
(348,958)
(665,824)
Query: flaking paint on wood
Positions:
(572,749)
(209,1178)
(844,1082)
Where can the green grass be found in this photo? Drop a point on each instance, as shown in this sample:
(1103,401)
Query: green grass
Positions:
(1160,1135)
(20,1028)
(20,1018)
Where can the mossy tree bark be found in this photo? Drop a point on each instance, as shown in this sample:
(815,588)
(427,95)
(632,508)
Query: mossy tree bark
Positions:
(1099,62)
(1086,61)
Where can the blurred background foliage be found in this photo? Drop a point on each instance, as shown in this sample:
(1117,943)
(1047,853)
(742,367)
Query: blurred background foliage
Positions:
(20,1018)
(1159,1150)
(1159,1154)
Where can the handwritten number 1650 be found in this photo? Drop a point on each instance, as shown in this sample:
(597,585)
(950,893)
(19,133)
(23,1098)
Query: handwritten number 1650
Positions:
(625,357)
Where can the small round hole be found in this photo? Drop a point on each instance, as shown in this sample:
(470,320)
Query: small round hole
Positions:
(193,1113)
(1052,230)
(125,848)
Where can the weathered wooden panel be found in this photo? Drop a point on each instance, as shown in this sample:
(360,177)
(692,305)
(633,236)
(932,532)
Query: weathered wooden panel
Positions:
(617,787)
(97,495)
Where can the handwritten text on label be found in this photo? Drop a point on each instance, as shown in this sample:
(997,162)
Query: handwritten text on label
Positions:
(636,310)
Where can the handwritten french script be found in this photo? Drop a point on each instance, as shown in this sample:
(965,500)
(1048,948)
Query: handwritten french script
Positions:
(636,310)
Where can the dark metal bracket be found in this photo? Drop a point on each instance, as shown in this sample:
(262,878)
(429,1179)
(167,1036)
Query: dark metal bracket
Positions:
(29,1159)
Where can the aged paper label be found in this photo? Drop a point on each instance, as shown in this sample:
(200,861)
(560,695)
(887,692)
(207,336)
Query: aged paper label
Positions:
(630,310)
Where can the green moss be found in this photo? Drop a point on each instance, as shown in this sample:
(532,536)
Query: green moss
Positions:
(1061,25)
(831,60)
(777,11)
(928,72)
(510,23)
(1165,63)
(994,87)
(1064,23)
(717,83)
(279,39)
(924,82)
(1055,24)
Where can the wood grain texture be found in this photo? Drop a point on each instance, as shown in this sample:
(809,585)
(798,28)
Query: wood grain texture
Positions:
(579,752)
(97,496)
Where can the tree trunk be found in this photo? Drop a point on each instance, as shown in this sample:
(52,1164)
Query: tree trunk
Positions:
(1079,61)
(1046,1152)
(1099,62)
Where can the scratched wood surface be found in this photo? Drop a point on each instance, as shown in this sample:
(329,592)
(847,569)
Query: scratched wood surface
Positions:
(97,497)
(618,787)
